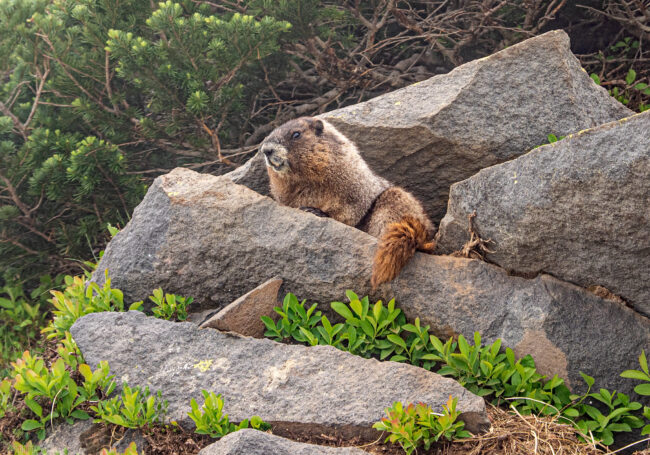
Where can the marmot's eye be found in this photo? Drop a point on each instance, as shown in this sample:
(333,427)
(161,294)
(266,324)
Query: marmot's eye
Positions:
(295,135)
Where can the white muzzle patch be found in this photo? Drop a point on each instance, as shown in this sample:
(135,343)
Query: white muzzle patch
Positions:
(275,156)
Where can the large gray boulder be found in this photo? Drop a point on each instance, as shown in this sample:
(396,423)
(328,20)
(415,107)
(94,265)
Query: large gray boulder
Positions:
(297,389)
(207,237)
(578,209)
(434,133)
(253,442)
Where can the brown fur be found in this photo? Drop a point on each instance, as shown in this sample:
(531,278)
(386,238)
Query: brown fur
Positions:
(322,169)
(398,244)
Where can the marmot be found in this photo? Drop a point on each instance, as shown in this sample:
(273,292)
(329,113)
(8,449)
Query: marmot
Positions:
(313,167)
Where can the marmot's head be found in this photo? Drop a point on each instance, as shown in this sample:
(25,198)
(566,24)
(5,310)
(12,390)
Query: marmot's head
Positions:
(305,146)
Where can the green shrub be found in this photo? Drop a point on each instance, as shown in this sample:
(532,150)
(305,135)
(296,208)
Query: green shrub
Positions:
(210,419)
(134,408)
(93,92)
(51,393)
(643,388)
(415,426)
(641,375)
(364,332)
(382,332)
(81,297)
(170,306)
(293,317)
(618,415)
(21,319)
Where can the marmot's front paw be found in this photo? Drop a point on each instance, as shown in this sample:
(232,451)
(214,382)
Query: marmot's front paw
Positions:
(315,211)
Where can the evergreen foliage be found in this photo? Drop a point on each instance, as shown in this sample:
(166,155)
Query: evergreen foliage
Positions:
(93,93)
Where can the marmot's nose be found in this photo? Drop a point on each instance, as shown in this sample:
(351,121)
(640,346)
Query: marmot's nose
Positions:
(267,151)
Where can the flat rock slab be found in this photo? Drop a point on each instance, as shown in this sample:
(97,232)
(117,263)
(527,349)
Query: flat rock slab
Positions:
(577,209)
(253,442)
(209,238)
(429,135)
(243,315)
(295,388)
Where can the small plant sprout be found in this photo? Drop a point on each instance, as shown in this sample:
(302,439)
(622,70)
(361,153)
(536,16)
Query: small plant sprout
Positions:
(81,297)
(210,419)
(416,425)
(168,306)
(134,408)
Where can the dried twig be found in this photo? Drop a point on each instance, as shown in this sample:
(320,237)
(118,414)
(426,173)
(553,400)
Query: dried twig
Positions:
(475,247)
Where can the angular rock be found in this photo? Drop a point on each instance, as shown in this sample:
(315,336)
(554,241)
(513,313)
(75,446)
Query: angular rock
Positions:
(576,209)
(205,237)
(253,442)
(295,388)
(243,315)
(434,133)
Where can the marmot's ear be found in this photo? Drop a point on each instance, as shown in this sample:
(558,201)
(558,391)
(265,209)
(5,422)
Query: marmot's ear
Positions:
(318,126)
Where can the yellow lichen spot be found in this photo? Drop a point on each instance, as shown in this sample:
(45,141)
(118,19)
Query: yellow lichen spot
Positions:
(172,193)
(397,103)
(203,365)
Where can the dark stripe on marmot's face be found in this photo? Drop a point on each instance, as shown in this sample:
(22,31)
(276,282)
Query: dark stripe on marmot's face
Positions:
(291,147)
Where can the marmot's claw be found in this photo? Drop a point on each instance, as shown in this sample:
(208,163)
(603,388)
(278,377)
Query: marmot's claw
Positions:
(315,211)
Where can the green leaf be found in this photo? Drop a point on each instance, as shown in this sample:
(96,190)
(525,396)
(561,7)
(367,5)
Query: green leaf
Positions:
(342,309)
(619,427)
(631,76)
(635,374)
(377,310)
(357,307)
(643,362)
(351,295)
(643,389)
(588,379)
(34,406)
(571,412)
(79,414)
(595,78)
(437,344)
(463,346)
(607,438)
(367,328)
(396,339)
(29,425)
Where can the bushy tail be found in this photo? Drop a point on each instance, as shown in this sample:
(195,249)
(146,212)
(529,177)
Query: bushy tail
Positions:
(396,247)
